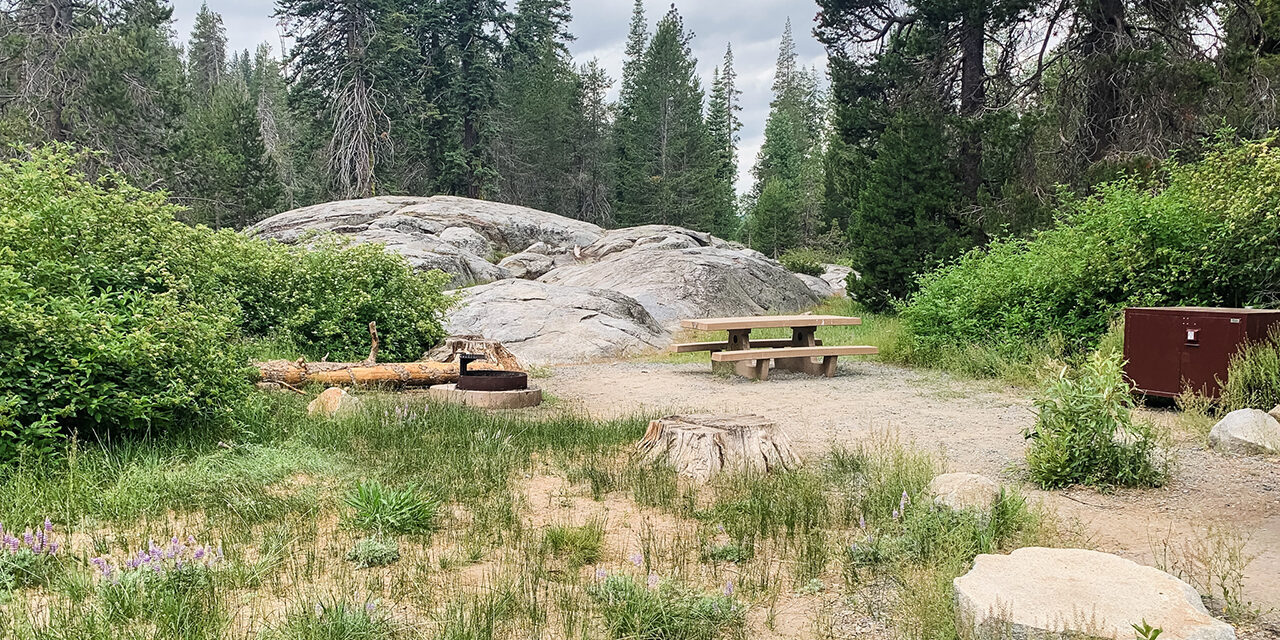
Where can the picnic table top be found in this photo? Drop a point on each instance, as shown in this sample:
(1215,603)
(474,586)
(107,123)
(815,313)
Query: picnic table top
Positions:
(765,322)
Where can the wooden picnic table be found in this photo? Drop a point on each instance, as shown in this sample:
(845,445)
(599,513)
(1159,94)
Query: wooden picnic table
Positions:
(795,354)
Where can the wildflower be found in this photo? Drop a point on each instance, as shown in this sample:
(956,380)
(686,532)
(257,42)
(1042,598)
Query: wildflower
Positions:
(728,589)
(653,580)
(27,538)
(370,606)
(601,573)
(895,514)
(862,522)
(637,559)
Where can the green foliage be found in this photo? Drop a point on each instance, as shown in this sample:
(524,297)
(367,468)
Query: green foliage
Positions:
(669,610)
(729,552)
(323,296)
(807,261)
(106,323)
(1201,237)
(26,568)
(334,620)
(1253,376)
(374,552)
(384,509)
(577,545)
(1085,433)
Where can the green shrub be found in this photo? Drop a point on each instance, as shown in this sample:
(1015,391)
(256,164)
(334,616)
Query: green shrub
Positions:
(321,297)
(115,318)
(1253,376)
(379,508)
(374,552)
(101,324)
(1204,235)
(807,261)
(1085,433)
(666,611)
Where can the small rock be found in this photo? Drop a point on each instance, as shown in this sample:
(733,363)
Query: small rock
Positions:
(1247,431)
(331,401)
(1275,412)
(962,491)
(1036,592)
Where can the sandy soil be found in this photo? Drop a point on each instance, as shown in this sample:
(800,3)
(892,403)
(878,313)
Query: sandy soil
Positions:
(974,426)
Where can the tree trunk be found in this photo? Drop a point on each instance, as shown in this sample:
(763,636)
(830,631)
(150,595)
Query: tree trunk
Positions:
(973,99)
(700,446)
(402,374)
(492,350)
(1099,133)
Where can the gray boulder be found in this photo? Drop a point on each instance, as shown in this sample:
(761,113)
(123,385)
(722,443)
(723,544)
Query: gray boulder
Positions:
(652,236)
(837,277)
(1247,431)
(1042,593)
(528,265)
(456,235)
(693,282)
(817,285)
(548,323)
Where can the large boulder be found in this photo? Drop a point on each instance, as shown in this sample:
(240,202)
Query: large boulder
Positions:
(1036,592)
(455,235)
(1247,431)
(837,277)
(692,282)
(548,323)
(652,236)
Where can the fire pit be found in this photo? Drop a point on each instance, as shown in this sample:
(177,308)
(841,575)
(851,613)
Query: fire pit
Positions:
(488,380)
(487,389)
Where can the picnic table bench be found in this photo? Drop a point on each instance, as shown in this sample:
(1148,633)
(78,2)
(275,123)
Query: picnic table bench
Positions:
(752,358)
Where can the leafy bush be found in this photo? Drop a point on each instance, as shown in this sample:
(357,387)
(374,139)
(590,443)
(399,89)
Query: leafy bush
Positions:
(101,323)
(379,508)
(321,297)
(807,261)
(1086,435)
(1253,376)
(374,552)
(668,610)
(1205,235)
(116,318)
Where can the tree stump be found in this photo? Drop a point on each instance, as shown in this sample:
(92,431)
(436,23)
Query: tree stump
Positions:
(492,350)
(702,445)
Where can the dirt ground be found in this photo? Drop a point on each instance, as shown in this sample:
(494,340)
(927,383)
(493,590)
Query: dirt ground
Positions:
(976,427)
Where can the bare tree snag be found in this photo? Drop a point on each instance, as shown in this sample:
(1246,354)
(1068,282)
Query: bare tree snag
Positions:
(492,350)
(373,344)
(702,445)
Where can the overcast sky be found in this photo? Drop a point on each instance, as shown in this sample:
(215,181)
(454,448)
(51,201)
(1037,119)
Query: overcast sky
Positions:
(754,27)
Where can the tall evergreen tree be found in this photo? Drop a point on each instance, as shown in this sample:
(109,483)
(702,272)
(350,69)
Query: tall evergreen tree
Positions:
(791,155)
(665,162)
(335,74)
(591,180)
(722,130)
(206,52)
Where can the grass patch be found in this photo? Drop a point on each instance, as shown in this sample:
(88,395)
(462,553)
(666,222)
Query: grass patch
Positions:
(576,545)
(382,509)
(668,610)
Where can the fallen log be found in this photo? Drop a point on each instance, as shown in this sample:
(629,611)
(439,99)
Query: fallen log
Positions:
(359,374)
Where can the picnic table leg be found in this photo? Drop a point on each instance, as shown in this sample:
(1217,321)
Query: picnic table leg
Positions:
(740,339)
(802,337)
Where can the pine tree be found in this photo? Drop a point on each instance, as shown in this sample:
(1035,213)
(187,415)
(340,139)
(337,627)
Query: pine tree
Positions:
(666,165)
(591,180)
(722,130)
(791,155)
(335,89)
(206,52)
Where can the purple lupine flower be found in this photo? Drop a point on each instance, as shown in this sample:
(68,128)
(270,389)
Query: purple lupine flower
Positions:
(198,553)
(53,548)
(48,525)
(370,606)
(895,514)
(862,522)
(601,573)
(637,559)
(728,589)
(653,580)
(27,538)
